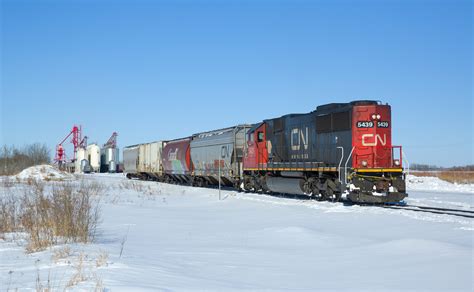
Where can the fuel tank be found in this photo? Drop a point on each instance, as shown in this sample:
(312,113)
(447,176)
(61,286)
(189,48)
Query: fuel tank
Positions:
(285,185)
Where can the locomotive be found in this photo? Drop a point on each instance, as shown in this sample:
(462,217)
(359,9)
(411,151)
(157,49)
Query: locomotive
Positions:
(339,148)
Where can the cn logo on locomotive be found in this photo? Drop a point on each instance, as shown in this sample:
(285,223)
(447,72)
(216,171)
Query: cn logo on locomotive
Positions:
(299,137)
(377,139)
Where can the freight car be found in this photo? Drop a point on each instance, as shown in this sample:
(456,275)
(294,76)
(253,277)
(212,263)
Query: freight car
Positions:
(338,148)
(150,162)
(224,147)
(144,160)
(176,161)
(130,161)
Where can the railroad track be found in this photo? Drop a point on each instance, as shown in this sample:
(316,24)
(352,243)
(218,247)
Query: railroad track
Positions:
(434,210)
(415,208)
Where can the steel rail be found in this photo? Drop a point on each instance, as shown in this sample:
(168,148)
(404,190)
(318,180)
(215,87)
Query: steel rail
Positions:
(440,209)
(427,210)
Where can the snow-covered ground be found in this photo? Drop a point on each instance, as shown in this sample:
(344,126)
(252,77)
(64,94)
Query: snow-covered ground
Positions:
(157,236)
(43,172)
(434,184)
(431,191)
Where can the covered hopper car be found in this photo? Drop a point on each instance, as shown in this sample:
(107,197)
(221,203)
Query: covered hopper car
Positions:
(144,160)
(224,147)
(130,161)
(176,158)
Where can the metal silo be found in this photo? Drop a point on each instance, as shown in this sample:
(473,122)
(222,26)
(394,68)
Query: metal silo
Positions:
(85,166)
(112,166)
(109,156)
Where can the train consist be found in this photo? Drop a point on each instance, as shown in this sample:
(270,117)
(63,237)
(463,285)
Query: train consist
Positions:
(338,148)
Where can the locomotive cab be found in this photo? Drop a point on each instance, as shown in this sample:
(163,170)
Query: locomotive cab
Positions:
(377,170)
(255,160)
(256,155)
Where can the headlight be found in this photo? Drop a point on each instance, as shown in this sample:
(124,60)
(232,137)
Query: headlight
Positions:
(376,117)
(397,162)
(364,163)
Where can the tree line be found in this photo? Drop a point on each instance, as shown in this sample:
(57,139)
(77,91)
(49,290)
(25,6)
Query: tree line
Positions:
(13,159)
(427,167)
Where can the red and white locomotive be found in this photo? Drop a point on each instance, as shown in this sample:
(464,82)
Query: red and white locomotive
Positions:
(340,148)
(337,147)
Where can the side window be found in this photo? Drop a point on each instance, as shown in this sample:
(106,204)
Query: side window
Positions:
(260,137)
(251,137)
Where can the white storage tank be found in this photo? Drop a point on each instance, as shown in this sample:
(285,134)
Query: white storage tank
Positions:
(80,155)
(93,153)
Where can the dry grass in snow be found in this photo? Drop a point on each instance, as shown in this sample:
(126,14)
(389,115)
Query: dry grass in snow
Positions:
(69,213)
(459,177)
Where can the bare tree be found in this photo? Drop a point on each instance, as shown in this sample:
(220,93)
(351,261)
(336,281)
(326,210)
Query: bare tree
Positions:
(14,160)
(37,153)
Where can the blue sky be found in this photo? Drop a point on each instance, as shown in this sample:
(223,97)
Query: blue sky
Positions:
(154,70)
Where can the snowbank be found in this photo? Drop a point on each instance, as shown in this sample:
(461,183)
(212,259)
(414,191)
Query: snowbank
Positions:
(434,184)
(44,172)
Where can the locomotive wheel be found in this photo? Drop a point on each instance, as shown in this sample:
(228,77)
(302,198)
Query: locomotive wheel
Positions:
(318,196)
(197,182)
(334,190)
(248,187)
(237,184)
(247,184)
(327,194)
(200,182)
(307,187)
(256,184)
(338,196)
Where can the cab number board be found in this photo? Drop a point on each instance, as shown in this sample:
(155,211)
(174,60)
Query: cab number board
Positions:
(368,124)
(382,124)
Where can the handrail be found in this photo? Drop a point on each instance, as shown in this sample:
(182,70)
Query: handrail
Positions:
(408,162)
(345,166)
(340,162)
